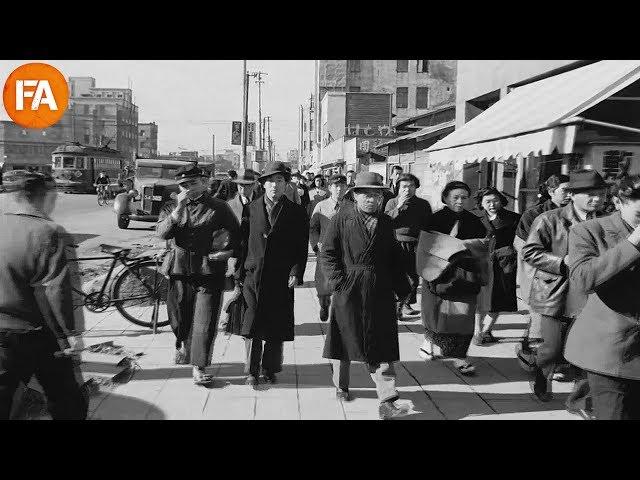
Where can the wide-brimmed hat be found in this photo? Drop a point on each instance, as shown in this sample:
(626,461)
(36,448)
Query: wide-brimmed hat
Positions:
(367,180)
(585,180)
(188,171)
(275,168)
(247,178)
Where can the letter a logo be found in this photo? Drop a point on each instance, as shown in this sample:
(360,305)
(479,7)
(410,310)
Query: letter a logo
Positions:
(36,95)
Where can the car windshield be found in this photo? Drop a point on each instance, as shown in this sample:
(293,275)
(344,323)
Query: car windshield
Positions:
(156,172)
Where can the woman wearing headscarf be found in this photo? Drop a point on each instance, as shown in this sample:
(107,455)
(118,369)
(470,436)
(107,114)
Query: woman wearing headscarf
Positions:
(501,224)
(450,299)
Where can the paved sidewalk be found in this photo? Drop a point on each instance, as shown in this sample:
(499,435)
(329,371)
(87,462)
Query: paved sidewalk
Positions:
(162,390)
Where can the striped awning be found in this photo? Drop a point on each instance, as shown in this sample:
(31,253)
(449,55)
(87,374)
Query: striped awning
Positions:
(538,118)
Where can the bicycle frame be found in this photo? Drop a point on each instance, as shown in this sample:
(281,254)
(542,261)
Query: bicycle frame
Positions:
(127,265)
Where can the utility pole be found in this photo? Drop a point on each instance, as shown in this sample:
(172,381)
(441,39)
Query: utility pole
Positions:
(268,120)
(259,81)
(245,112)
(264,128)
(213,148)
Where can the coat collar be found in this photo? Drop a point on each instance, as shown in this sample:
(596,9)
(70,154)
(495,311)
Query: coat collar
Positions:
(25,209)
(616,226)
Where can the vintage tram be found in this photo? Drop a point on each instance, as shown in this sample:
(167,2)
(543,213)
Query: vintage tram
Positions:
(75,167)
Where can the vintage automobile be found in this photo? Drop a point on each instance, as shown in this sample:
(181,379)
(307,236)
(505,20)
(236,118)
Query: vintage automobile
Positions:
(152,186)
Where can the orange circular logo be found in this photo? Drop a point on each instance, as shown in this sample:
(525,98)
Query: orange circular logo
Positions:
(36,95)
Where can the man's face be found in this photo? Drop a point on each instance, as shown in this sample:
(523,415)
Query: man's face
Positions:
(561,195)
(274,186)
(246,190)
(630,210)
(368,199)
(296,180)
(102,174)
(194,186)
(589,200)
(407,188)
(318,182)
(338,190)
(395,173)
(349,177)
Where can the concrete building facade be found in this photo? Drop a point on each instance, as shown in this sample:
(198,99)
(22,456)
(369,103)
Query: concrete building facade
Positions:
(147,140)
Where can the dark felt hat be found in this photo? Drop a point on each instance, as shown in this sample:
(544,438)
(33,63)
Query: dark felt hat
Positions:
(368,180)
(275,168)
(585,180)
(247,178)
(188,171)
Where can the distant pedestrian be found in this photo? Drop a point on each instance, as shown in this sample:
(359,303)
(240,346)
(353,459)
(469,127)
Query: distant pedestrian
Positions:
(227,188)
(396,171)
(604,340)
(501,224)
(363,263)
(318,193)
(196,283)
(410,215)
(321,216)
(246,194)
(303,191)
(351,175)
(449,302)
(275,235)
(36,310)
(547,251)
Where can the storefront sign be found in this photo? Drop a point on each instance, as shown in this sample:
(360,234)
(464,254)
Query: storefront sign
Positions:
(369,131)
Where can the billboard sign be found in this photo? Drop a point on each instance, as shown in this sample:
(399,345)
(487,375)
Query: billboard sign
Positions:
(236,133)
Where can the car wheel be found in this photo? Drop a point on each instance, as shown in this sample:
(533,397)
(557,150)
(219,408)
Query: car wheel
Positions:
(123,221)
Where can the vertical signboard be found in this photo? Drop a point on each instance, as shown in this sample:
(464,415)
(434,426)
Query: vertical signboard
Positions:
(251,134)
(236,133)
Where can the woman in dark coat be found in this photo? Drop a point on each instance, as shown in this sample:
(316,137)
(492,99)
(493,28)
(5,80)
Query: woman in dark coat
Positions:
(501,224)
(449,322)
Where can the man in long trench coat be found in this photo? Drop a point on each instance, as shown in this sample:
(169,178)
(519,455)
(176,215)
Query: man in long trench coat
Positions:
(275,233)
(363,264)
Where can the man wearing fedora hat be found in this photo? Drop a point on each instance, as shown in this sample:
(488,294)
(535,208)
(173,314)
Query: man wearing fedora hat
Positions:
(275,232)
(363,264)
(246,187)
(546,251)
(196,283)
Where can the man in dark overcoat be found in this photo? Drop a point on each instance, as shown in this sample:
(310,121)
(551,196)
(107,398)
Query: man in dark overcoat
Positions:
(246,193)
(363,264)
(227,188)
(275,232)
(196,282)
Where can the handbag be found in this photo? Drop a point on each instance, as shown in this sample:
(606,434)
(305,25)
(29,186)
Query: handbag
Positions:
(235,309)
(548,293)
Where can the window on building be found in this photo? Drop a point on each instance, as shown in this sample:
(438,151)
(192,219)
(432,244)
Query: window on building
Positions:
(304,145)
(304,126)
(423,66)
(402,97)
(311,145)
(311,124)
(86,109)
(354,65)
(422,97)
(403,66)
(354,89)
(87,139)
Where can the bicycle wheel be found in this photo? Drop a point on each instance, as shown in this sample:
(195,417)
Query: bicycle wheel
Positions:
(105,198)
(139,292)
(100,199)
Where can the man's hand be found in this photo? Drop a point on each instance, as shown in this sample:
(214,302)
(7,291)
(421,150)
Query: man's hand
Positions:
(292,282)
(231,266)
(402,199)
(182,199)
(566,260)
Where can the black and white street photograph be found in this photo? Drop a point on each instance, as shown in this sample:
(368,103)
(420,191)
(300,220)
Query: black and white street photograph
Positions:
(319,239)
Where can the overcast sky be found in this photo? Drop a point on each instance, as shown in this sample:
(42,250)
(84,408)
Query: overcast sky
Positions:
(192,99)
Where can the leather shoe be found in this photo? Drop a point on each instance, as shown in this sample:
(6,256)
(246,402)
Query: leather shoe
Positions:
(389,411)
(252,380)
(269,377)
(541,386)
(324,314)
(407,311)
(343,395)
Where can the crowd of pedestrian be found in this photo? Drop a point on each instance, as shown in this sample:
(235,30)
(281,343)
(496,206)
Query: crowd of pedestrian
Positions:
(574,258)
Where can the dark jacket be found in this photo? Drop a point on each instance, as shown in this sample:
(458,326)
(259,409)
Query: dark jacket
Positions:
(305,200)
(409,220)
(363,271)
(190,238)
(505,260)
(470,225)
(605,337)
(545,249)
(271,255)
(35,283)
(226,190)
(524,226)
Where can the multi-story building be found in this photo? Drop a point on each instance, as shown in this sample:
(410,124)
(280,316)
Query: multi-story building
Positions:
(230,158)
(23,148)
(103,116)
(147,140)
(518,122)
(309,134)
